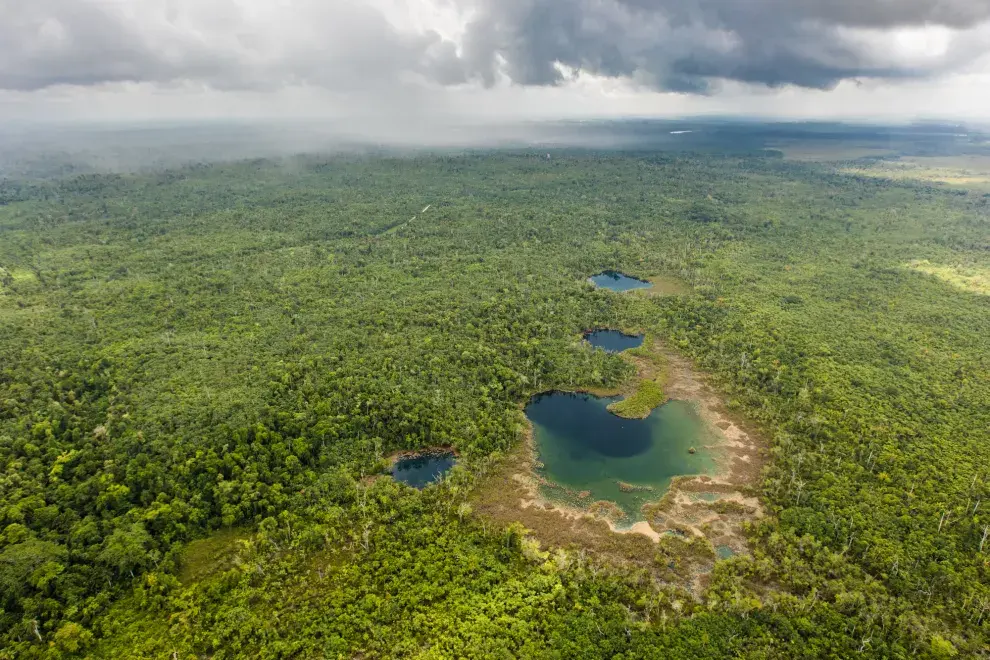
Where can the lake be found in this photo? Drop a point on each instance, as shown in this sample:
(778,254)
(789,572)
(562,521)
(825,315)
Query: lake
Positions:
(616,281)
(421,470)
(612,341)
(584,447)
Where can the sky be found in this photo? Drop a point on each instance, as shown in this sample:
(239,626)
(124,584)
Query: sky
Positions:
(403,63)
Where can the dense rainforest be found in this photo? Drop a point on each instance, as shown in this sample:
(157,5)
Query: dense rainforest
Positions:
(203,368)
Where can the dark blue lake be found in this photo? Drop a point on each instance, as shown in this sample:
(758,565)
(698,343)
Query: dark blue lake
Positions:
(613,341)
(616,281)
(422,470)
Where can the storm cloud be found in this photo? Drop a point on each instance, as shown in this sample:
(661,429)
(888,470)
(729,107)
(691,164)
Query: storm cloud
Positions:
(685,45)
(341,45)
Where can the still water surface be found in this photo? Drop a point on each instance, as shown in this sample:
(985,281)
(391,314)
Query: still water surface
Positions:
(616,281)
(423,469)
(613,341)
(584,447)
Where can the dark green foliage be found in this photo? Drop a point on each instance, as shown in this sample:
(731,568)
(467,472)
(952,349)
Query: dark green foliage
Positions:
(240,344)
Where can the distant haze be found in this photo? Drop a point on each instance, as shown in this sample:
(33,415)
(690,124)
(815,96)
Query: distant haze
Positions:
(45,149)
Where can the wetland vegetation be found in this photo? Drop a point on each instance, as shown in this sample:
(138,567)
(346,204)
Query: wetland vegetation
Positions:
(641,402)
(203,366)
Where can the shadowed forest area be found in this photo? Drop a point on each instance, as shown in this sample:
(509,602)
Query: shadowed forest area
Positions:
(205,368)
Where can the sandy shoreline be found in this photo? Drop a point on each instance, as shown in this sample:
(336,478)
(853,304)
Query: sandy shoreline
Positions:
(737,453)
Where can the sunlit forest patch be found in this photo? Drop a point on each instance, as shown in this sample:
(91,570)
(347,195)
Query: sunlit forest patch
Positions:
(972,171)
(974,279)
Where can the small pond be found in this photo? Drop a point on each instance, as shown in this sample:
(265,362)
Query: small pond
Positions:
(724,552)
(591,452)
(420,470)
(616,281)
(612,341)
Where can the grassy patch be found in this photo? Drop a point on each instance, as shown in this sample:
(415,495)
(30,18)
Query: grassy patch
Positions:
(648,354)
(648,395)
(211,554)
(651,369)
(666,285)
(974,279)
(971,172)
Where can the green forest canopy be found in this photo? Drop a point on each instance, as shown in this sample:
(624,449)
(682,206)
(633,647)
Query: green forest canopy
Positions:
(235,347)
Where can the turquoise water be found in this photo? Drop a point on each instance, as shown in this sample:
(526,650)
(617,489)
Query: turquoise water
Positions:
(613,341)
(724,552)
(616,281)
(420,471)
(584,447)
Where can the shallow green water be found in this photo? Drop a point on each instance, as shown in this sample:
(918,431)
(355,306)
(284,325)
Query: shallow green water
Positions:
(583,447)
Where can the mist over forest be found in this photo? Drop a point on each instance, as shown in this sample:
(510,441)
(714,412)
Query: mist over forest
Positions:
(50,149)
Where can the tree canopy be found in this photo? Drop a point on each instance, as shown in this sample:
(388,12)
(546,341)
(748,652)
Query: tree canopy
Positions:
(237,347)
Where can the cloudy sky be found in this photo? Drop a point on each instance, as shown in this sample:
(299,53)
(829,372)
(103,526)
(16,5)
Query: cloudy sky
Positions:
(493,59)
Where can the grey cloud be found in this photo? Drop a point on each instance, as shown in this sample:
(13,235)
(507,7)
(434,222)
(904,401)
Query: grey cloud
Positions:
(347,45)
(52,42)
(339,44)
(685,45)
(858,13)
